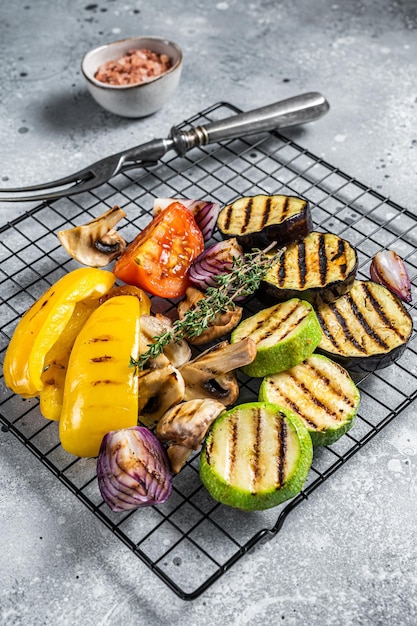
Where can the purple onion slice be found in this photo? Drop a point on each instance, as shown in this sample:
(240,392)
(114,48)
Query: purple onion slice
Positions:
(133,469)
(388,269)
(216,260)
(205,212)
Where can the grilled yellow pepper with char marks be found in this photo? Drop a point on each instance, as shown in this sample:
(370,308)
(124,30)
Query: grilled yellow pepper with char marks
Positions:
(42,325)
(101,389)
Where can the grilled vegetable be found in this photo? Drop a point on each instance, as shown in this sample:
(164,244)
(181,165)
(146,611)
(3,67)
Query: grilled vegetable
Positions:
(42,325)
(205,212)
(367,328)
(216,260)
(256,456)
(158,259)
(320,265)
(258,220)
(133,469)
(95,243)
(388,269)
(320,392)
(284,334)
(101,390)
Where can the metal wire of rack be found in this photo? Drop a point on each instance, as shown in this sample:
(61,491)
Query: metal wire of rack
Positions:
(191,541)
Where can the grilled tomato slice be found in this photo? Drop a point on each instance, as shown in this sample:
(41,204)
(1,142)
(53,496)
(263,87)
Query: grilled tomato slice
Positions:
(158,259)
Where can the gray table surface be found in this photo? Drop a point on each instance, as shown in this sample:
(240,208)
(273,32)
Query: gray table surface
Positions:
(348,554)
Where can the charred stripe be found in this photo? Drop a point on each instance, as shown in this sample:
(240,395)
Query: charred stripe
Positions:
(336,390)
(313,398)
(302,268)
(228,212)
(266,211)
(248,211)
(282,441)
(322,259)
(363,322)
(342,323)
(381,313)
(294,407)
(257,449)
(233,436)
(278,322)
(286,207)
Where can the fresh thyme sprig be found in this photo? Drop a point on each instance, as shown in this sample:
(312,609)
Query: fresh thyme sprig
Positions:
(243,280)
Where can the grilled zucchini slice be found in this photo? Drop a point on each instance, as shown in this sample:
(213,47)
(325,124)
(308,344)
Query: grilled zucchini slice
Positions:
(321,392)
(368,328)
(285,334)
(320,265)
(257,220)
(256,456)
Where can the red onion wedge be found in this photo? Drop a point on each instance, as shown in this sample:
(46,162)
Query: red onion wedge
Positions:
(133,469)
(388,269)
(205,212)
(216,260)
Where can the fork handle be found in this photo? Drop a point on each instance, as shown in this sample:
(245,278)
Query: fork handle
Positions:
(303,108)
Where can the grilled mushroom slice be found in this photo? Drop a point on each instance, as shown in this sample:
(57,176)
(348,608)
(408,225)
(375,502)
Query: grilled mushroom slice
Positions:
(151,326)
(258,220)
(222,324)
(184,427)
(169,393)
(368,328)
(96,243)
(321,265)
(212,373)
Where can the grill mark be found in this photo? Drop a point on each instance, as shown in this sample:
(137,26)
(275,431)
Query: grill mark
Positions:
(228,217)
(381,313)
(285,208)
(346,330)
(248,211)
(282,442)
(257,449)
(294,407)
(369,331)
(271,329)
(102,359)
(282,270)
(329,383)
(233,435)
(326,331)
(341,252)
(302,267)
(266,212)
(105,381)
(314,400)
(101,338)
(323,263)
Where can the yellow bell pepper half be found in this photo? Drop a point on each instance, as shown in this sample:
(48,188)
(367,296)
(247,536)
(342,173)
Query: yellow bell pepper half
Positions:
(42,325)
(101,389)
(56,361)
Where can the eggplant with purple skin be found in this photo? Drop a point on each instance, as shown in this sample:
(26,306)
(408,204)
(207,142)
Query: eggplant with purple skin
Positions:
(257,221)
(319,266)
(368,328)
(133,469)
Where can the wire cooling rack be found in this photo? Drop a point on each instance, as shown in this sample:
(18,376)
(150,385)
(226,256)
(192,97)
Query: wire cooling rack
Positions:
(190,541)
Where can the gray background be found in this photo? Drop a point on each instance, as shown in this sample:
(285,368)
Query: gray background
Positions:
(348,554)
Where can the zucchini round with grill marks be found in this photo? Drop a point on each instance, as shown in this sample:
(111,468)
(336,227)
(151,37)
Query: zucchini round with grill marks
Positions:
(321,264)
(285,334)
(256,456)
(321,392)
(368,328)
(256,221)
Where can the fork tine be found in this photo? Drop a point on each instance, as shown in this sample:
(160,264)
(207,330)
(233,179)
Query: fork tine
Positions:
(83,180)
(80,176)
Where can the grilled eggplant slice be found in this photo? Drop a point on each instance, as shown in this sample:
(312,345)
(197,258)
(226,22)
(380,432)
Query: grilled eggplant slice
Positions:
(368,328)
(256,221)
(320,265)
(321,392)
(285,334)
(256,456)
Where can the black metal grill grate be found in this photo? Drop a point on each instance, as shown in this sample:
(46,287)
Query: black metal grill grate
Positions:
(190,541)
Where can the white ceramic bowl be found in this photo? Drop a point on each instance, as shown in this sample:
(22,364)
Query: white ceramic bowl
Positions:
(140,99)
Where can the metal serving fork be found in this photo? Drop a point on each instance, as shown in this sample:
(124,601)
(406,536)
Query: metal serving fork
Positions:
(293,111)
